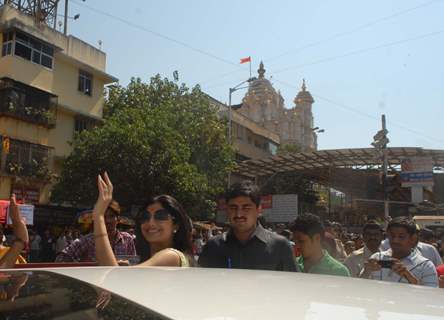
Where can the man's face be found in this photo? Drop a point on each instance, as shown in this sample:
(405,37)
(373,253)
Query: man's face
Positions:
(305,244)
(401,241)
(111,221)
(372,239)
(242,214)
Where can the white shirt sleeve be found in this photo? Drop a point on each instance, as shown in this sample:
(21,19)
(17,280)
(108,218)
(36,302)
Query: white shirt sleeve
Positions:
(429,276)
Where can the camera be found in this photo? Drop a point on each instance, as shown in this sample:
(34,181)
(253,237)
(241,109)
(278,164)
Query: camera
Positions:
(386,263)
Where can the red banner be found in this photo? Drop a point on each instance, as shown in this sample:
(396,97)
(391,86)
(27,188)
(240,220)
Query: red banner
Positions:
(4,204)
(28,195)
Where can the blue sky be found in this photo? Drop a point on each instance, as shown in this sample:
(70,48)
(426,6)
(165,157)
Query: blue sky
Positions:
(360,58)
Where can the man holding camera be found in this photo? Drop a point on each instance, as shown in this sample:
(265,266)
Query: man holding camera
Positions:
(402,263)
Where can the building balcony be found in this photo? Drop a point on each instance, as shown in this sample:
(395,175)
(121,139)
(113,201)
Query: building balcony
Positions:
(26,103)
(22,159)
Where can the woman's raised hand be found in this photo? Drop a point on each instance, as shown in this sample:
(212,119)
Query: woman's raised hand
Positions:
(105,193)
(19,226)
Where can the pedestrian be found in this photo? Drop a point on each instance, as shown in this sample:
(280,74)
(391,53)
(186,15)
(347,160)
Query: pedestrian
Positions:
(34,246)
(163,230)
(401,263)
(372,235)
(63,241)
(427,236)
(427,250)
(48,247)
(308,233)
(83,249)
(246,245)
(338,251)
(349,247)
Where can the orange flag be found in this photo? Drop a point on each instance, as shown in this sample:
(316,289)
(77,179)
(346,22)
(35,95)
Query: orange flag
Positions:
(245,60)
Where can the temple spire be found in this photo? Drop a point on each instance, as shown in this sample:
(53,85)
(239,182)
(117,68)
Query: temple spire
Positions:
(261,70)
(304,87)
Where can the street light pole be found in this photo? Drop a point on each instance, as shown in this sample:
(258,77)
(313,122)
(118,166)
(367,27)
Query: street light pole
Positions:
(231,90)
(65,24)
(384,171)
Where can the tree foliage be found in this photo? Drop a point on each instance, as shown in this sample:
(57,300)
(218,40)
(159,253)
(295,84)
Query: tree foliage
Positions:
(157,138)
(291,182)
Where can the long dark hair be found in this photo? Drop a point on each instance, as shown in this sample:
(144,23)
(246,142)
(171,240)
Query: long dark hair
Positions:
(181,239)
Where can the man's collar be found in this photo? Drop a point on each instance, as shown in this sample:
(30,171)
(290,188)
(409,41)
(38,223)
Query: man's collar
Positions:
(259,233)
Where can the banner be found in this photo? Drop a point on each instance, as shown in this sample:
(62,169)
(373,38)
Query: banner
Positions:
(26,212)
(417,171)
(28,195)
(4,204)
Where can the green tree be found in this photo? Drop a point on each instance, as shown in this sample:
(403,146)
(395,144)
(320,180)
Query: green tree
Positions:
(157,138)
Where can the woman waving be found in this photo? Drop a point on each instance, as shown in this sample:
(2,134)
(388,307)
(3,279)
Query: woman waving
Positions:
(164,230)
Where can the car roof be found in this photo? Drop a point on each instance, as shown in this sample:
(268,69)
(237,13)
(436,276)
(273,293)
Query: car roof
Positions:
(198,293)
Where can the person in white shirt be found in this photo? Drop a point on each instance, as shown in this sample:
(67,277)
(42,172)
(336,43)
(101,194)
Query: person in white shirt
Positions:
(402,263)
(426,250)
(430,252)
(372,235)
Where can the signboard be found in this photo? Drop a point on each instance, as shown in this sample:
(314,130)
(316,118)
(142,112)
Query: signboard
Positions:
(284,209)
(275,208)
(26,212)
(28,195)
(417,171)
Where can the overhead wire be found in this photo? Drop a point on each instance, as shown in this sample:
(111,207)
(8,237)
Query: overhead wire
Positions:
(354,30)
(156,33)
(337,35)
(364,114)
(361,51)
(213,56)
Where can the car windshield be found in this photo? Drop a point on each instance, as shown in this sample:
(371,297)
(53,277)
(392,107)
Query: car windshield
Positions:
(46,295)
(238,134)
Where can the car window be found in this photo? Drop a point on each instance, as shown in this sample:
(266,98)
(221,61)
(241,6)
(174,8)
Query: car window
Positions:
(45,295)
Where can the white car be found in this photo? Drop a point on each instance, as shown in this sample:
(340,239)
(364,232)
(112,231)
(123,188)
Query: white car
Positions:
(210,294)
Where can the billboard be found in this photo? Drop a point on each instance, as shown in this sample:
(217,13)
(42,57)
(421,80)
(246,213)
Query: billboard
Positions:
(417,171)
(275,208)
(26,212)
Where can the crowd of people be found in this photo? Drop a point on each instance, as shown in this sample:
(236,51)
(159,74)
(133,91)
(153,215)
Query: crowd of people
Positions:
(163,236)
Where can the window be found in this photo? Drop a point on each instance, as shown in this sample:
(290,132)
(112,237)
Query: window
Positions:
(85,82)
(84,123)
(27,103)
(7,43)
(28,48)
(25,158)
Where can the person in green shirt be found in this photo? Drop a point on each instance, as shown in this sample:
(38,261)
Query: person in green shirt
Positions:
(308,233)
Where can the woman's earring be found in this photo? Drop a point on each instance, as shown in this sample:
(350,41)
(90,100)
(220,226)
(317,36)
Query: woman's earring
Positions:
(174,231)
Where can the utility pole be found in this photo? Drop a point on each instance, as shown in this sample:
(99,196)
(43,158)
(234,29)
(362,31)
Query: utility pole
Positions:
(380,142)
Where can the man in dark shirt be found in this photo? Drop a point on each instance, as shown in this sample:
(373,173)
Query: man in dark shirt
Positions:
(247,245)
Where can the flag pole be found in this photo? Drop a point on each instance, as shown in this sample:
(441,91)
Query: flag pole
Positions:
(250,68)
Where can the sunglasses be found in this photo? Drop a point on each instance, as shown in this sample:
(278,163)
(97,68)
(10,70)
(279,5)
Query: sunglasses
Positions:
(159,215)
